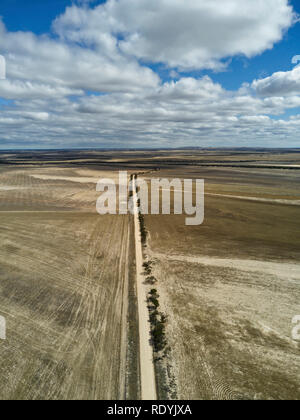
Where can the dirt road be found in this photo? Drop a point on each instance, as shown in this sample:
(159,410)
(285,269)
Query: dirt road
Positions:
(148,385)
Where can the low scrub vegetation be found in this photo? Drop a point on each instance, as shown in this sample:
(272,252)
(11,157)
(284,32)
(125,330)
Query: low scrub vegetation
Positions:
(158,322)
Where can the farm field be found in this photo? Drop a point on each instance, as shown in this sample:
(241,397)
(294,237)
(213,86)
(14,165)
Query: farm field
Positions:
(64,280)
(149,202)
(231,287)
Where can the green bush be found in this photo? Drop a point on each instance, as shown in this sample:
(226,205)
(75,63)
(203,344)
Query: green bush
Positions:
(151,280)
(158,321)
(159,335)
(153,292)
(154,301)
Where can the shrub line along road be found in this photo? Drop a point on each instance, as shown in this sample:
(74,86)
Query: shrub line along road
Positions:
(148,384)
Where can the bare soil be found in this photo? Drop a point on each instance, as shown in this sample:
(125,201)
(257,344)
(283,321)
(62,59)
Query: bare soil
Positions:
(63,290)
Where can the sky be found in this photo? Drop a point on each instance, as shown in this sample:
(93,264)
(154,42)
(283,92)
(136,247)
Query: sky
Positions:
(149,74)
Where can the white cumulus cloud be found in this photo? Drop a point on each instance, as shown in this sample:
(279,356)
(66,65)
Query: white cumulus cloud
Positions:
(89,82)
(189,34)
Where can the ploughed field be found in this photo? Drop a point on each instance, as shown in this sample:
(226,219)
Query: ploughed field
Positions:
(231,286)
(63,287)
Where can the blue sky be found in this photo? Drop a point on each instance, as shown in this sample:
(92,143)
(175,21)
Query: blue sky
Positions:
(37,16)
(129,73)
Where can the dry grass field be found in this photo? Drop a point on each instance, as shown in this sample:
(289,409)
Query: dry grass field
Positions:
(231,286)
(63,288)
